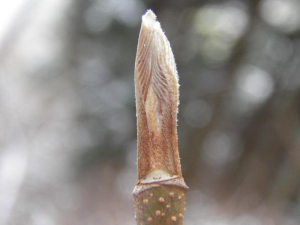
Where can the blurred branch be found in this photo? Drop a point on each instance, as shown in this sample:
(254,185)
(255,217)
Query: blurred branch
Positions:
(220,106)
(18,25)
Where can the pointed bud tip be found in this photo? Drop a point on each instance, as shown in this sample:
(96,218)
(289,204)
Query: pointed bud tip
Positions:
(150,15)
(149,19)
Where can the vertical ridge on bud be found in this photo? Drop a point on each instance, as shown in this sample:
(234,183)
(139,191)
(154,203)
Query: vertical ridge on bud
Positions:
(156,87)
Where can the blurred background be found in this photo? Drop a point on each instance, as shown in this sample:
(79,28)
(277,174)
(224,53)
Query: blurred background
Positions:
(67,109)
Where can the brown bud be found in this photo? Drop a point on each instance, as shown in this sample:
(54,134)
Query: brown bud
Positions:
(156,87)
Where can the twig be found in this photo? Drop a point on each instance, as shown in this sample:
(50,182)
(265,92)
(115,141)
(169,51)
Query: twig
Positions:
(159,196)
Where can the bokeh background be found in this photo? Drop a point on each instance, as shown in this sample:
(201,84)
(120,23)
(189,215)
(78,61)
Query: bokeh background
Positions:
(67,109)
